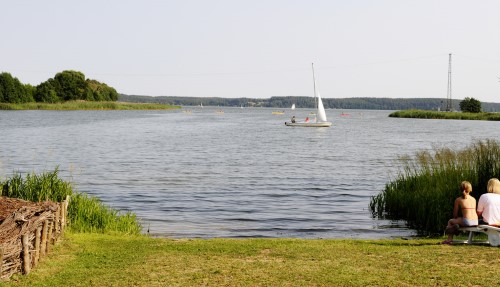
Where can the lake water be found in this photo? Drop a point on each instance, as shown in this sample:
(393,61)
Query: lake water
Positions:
(242,173)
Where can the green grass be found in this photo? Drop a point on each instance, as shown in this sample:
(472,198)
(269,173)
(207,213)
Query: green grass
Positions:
(85,213)
(428,183)
(36,187)
(88,214)
(423,114)
(117,260)
(86,105)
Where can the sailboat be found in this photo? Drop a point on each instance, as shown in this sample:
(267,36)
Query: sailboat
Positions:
(293,107)
(320,120)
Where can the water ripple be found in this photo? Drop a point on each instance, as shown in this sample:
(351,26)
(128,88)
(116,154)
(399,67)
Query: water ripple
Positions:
(242,174)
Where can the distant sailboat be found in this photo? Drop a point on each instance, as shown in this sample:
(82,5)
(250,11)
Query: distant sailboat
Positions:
(293,107)
(321,120)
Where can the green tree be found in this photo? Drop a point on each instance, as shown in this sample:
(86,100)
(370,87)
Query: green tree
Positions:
(97,91)
(470,105)
(70,85)
(46,92)
(13,91)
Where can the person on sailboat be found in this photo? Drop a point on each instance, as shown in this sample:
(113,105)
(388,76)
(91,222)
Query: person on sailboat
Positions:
(293,119)
(307,119)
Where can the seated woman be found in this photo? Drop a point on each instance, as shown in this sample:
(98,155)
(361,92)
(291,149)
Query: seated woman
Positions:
(488,205)
(467,205)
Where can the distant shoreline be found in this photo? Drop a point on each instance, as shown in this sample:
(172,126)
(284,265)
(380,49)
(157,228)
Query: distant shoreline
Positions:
(422,114)
(87,105)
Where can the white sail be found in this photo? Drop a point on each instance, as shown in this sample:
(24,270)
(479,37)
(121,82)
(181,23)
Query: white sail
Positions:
(293,106)
(320,113)
(321,110)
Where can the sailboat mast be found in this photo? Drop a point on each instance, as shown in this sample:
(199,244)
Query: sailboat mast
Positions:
(314,85)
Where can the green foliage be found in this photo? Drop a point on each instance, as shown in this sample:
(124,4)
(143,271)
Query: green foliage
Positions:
(88,214)
(427,185)
(43,187)
(97,91)
(46,92)
(470,105)
(65,86)
(85,105)
(85,213)
(13,91)
(70,85)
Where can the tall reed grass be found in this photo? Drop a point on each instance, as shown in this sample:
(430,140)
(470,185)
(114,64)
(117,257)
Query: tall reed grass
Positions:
(422,114)
(37,187)
(85,213)
(86,105)
(88,214)
(427,184)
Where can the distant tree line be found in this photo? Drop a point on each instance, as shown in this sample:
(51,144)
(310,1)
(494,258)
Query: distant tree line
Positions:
(65,86)
(308,102)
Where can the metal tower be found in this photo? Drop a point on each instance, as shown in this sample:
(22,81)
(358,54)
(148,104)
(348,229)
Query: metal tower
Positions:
(448,95)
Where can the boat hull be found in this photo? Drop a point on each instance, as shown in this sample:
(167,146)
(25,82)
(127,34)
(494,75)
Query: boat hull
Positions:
(309,125)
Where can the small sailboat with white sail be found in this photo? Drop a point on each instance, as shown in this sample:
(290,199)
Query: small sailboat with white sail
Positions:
(293,107)
(320,120)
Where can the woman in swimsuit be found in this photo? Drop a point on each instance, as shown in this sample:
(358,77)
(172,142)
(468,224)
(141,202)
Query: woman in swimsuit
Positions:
(467,205)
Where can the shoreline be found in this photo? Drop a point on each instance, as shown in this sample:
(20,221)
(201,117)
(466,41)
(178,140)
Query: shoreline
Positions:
(86,105)
(441,115)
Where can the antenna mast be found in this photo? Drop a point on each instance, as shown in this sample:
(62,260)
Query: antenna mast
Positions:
(448,95)
(314,80)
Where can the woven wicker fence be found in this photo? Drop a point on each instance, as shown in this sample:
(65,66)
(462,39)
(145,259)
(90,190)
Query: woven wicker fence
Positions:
(27,232)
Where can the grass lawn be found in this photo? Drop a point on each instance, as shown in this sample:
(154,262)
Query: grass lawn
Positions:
(118,260)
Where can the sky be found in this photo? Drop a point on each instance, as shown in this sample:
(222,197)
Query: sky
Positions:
(260,48)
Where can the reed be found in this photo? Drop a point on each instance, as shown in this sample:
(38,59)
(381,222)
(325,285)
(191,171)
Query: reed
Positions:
(422,114)
(427,184)
(86,105)
(85,213)
(37,187)
(88,214)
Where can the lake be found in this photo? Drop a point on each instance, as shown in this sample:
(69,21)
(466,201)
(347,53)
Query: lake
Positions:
(241,173)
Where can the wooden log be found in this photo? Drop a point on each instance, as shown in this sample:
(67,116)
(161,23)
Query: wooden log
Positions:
(66,210)
(63,217)
(57,223)
(38,238)
(1,261)
(26,254)
(62,213)
(49,236)
(45,229)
